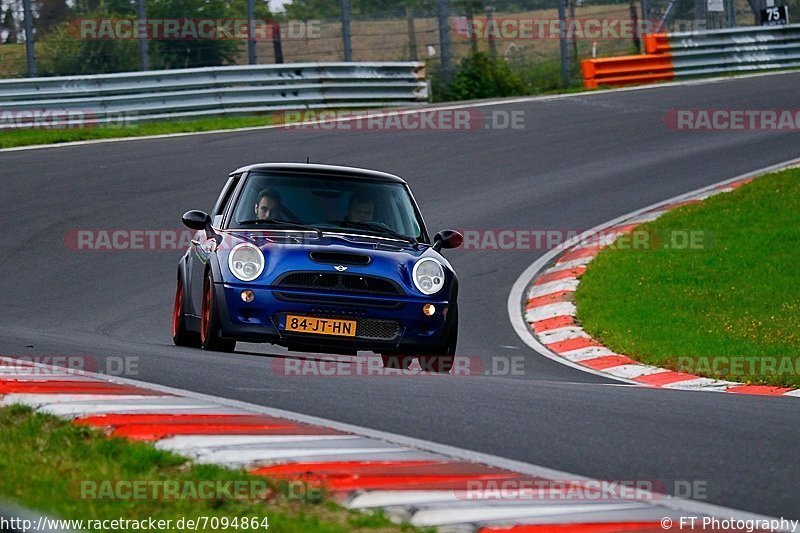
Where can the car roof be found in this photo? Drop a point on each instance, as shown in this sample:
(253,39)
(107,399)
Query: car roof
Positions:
(322,171)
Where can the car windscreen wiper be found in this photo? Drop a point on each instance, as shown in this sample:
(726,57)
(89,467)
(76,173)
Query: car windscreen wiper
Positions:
(378,228)
(284,224)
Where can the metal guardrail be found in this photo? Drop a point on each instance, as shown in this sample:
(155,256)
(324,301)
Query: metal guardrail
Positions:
(685,54)
(213,91)
(730,50)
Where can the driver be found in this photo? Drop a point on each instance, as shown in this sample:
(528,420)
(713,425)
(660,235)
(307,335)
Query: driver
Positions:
(361,208)
(268,206)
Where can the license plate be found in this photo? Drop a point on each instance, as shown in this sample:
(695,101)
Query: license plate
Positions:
(321,326)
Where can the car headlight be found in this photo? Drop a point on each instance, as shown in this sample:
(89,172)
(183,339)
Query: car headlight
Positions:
(246,261)
(428,276)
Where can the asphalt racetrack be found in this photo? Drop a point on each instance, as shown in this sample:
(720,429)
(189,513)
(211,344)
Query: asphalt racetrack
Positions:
(578,162)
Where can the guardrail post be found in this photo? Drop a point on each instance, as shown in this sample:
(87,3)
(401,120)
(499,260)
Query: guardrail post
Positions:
(346,38)
(144,44)
(30,51)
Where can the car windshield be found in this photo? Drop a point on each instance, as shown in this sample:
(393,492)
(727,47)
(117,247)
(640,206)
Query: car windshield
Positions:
(283,201)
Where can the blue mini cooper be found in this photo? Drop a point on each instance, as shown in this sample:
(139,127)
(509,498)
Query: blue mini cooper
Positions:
(318,258)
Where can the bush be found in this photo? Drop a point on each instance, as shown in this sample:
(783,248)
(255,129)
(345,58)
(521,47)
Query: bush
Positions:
(480,76)
(62,53)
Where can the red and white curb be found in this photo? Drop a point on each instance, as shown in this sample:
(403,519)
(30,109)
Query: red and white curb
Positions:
(423,483)
(547,322)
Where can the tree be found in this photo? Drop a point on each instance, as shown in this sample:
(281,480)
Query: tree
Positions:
(51,14)
(8,26)
(187,53)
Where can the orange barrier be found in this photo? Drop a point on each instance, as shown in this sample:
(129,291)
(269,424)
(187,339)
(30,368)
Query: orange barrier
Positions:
(656,43)
(654,65)
(626,70)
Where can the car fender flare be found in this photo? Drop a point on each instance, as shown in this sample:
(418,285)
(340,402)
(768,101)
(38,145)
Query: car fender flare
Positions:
(219,294)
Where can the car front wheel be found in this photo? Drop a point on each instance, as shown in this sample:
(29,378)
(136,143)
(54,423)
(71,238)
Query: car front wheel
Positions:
(209,321)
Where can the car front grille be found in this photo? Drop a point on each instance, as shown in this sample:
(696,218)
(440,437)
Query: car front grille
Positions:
(339,282)
(377,329)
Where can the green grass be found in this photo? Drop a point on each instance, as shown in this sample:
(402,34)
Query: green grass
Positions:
(44,460)
(25,137)
(728,310)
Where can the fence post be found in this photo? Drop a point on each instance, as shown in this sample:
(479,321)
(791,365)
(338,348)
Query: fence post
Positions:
(443,13)
(562,22)
(412,33)
(252,58)
(144,43)
(488,8)
(30,51)
(346,37)
(277,41)
(730,7)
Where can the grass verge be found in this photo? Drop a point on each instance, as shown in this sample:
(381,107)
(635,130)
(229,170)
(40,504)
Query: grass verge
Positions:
(45,462)
(28,137)
(725,307)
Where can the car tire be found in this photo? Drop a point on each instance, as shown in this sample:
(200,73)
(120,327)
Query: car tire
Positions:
(181,336)
(209,321)
(442,358)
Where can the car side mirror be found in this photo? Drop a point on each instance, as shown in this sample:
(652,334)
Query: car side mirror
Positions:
(197,220)
(447,239)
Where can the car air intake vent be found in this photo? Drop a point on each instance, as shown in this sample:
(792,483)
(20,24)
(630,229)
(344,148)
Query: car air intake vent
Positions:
(339,282)
(340,258)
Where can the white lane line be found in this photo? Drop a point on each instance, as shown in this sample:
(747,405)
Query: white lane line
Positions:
(182,443)
(584,354)
(700,384)
(35,400)
(550,311)
(393,498)
(431,498)
(574,263)
(28,376)
(569,284)
(84,409)
(563,334)
(241,458)
(633,371)
(460,515)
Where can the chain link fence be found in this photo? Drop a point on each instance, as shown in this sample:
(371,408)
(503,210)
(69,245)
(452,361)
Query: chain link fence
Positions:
(88,36)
